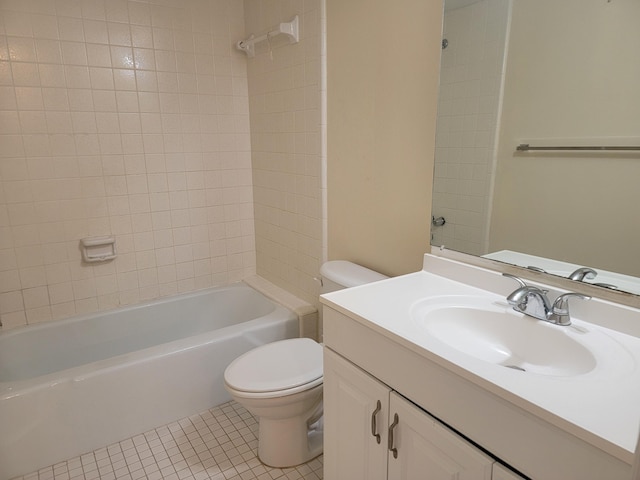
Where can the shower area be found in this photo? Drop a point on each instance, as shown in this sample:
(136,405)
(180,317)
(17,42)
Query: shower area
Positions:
(474,45)
(141,120)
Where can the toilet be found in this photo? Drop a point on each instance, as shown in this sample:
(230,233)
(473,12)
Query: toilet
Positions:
(281,383)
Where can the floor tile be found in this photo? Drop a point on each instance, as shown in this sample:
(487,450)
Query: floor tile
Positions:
(219,444)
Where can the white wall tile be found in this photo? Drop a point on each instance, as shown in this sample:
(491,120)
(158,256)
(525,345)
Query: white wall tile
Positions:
(106,109)
(45,26)
(285,132)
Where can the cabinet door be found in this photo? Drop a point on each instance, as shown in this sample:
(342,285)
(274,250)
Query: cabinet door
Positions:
(501,472)
(421,447)
(356,408)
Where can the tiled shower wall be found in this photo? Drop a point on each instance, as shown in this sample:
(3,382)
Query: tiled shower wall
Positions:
(285,96)
(468,112)
(127,118)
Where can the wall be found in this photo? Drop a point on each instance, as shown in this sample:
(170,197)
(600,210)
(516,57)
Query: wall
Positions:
(285,97)
(382,85)
(468,114)
(125,118)
(571,77)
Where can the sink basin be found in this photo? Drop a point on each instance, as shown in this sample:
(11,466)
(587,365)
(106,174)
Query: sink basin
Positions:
(493,332)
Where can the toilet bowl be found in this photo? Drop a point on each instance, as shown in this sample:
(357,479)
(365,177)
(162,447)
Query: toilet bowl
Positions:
(281,384)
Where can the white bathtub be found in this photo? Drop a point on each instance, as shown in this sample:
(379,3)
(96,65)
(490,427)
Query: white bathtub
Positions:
(75,385)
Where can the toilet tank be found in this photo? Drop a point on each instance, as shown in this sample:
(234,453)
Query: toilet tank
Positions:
(339,274)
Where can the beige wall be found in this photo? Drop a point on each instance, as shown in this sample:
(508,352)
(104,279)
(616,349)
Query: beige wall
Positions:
(286,136)
(125,118)
(383,64)
(572,77)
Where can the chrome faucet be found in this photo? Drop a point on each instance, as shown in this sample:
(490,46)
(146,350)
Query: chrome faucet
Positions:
(582,274)
(534,302)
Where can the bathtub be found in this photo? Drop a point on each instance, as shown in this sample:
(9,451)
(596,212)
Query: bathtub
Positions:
(72,386)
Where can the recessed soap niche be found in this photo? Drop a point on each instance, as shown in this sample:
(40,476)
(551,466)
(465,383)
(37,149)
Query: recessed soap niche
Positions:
(98,249)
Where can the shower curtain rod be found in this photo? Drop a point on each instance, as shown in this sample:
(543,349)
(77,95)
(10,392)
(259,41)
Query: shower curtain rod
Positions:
(525,147)
(290,29)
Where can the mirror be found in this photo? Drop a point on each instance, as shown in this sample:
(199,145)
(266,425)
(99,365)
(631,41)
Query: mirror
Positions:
(549,73)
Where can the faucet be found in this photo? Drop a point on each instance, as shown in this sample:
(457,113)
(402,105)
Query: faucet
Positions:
(582,274)
(534,302)
(586,273)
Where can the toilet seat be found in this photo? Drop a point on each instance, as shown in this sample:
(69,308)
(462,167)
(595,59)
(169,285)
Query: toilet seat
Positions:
(276,369)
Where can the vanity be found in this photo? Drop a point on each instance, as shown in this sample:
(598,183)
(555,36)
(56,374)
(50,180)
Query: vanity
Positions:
(435,372)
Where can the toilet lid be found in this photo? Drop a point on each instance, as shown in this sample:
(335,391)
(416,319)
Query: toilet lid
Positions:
(276,366)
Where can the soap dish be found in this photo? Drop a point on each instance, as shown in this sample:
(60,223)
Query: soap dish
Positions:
(98,249)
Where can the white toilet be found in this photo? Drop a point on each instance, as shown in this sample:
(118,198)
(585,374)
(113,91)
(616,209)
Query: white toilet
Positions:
(281,383)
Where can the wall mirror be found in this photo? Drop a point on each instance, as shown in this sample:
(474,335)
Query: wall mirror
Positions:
(547,73)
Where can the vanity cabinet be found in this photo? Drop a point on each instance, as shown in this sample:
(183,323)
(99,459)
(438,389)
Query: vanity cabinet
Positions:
(552,425)
(539,446)
(373,433)
(356,409)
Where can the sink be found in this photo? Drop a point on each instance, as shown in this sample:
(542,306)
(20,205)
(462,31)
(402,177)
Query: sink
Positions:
(493,332)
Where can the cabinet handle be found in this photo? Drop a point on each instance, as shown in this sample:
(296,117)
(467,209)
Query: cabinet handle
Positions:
(374,424)
(392,449)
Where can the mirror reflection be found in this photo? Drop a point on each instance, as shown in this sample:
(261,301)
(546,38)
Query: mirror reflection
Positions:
(545,73)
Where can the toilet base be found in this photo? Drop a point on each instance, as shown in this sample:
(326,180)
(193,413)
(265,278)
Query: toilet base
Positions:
(289,419)
(288,442)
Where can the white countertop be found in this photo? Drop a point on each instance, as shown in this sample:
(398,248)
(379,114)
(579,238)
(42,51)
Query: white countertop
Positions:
(601,406)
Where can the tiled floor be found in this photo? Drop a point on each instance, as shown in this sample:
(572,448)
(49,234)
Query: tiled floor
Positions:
(219,444)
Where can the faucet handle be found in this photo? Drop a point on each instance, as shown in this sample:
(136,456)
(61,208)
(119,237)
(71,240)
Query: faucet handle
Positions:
(517,279)
(561,307)
(536,269)
(561,304)
(523,286)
